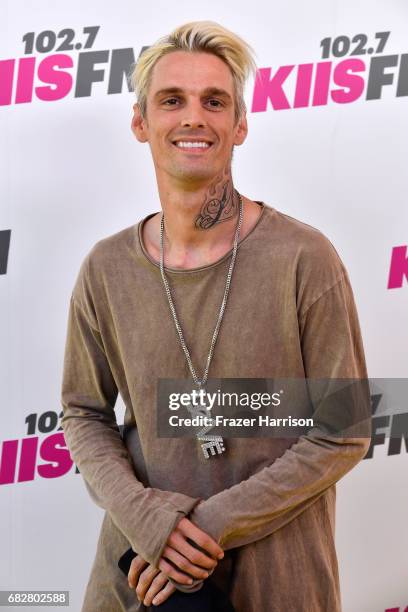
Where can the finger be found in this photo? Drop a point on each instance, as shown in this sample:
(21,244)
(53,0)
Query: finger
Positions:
(183,563)
(137,565)
(145,580)
(195,556)
(172,572)
(200,537)
(164,594)
(158,583)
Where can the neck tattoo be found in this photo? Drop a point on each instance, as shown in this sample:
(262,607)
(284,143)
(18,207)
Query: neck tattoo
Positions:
(221,203)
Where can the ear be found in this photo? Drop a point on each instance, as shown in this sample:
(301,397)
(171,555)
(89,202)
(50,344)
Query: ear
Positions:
(241,129)
(138,124)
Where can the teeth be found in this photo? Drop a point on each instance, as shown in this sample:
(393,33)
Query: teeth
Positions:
(202,145)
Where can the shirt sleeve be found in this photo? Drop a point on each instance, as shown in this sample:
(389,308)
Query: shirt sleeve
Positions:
(332,347)
(146,516)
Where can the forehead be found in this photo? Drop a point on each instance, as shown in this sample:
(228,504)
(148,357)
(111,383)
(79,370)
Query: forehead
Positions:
(191,70)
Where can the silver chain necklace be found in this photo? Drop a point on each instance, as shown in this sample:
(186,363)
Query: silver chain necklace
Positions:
(210,444)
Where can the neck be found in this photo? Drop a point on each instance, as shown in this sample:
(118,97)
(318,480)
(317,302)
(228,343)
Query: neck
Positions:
(202,219)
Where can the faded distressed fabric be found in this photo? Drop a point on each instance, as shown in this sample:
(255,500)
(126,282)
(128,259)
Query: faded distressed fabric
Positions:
(269,502)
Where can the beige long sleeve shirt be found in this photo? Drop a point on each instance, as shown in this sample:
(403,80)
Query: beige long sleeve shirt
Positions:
(269,502)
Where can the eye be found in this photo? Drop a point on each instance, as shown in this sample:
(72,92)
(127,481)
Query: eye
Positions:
(170,100)
(215,103)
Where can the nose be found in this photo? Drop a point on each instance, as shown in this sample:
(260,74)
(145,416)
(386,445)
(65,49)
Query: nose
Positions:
(193,116)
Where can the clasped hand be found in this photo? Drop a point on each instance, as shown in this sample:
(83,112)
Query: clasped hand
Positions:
(178,559)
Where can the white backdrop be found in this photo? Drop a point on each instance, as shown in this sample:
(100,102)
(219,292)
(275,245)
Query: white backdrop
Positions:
(72,173)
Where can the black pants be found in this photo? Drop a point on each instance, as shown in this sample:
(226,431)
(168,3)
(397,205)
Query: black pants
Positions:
(209,598)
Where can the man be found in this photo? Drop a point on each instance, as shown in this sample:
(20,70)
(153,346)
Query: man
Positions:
(259,515)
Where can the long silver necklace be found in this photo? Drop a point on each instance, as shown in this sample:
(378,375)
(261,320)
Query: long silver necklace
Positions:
(210,444)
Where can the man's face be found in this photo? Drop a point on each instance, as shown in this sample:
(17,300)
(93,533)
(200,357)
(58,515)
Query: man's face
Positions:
(190,119)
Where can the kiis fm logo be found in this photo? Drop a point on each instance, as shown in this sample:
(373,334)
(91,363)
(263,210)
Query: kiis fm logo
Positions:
(312,83)
(395,426)
(20,458)
(4,249)
(398,267)
(17,76)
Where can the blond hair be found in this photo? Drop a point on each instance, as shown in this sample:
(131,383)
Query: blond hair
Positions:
(204,36)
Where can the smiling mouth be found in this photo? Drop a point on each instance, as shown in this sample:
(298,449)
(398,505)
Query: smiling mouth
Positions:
(192,145)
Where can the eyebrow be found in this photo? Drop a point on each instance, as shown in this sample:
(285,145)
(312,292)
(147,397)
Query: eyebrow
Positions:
(209,91)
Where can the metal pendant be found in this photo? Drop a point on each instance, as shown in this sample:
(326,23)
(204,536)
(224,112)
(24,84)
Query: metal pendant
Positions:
(211,445)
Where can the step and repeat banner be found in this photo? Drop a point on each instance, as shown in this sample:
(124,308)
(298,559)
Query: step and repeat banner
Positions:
(327,144)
